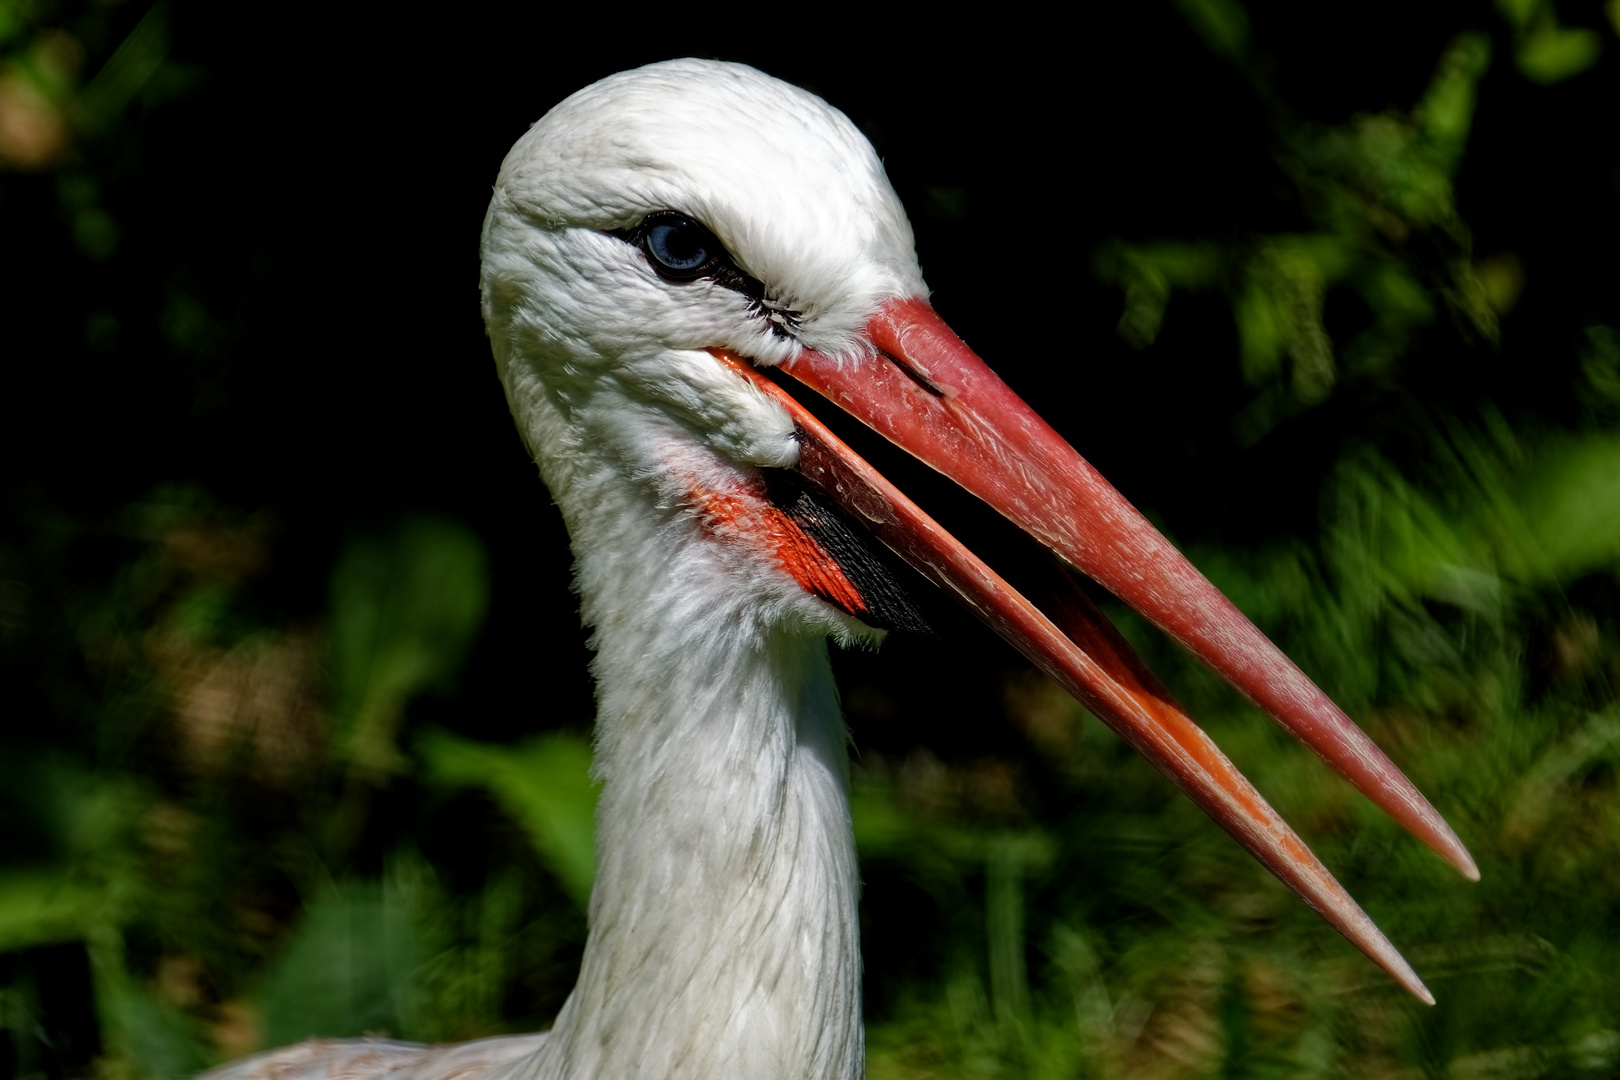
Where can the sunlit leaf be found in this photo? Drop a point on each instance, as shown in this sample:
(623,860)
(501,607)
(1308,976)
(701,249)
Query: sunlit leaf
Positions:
(1552,54)
(1260,334)
(1570,506)
(1446,110)
(42,908)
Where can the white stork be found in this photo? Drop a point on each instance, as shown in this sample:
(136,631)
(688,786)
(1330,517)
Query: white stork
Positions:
(655,243)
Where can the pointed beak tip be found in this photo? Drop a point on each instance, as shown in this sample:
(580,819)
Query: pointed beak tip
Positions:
(928,393)
(1450,848)
(1395,965)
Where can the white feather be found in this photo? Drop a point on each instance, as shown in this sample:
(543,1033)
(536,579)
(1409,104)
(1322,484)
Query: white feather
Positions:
(723,939)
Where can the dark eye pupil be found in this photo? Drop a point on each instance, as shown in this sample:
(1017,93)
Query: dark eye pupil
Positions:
(680,246)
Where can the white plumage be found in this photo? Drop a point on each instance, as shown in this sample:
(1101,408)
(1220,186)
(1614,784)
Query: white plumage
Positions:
(723,939)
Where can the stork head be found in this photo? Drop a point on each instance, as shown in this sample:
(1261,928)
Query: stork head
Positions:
(662,213)
(780,187)
(661,237)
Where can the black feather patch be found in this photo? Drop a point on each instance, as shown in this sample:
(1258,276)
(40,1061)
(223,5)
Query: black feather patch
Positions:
(862,558)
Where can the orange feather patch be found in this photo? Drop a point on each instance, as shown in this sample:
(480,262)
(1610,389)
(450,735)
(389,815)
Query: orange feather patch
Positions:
(746,514)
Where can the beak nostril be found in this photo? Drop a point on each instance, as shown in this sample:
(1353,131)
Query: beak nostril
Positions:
(915,375)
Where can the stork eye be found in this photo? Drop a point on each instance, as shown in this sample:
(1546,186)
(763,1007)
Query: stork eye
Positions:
(680,248)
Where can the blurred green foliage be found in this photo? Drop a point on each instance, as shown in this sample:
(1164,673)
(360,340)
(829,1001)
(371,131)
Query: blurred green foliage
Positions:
(404,609)
(1380,190)
(544,783)
(256,822)
(1423,608)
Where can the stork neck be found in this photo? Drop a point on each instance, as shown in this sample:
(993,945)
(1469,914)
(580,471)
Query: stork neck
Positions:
(723,939)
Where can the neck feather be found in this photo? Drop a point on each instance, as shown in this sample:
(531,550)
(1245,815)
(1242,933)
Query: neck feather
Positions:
(723,939)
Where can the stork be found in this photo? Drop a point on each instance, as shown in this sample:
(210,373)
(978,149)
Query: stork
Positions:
(655,246)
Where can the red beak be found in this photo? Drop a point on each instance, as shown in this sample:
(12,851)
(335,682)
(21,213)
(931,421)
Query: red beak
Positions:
(926,391)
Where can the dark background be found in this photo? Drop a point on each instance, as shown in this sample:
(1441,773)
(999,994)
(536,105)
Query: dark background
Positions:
(240,299)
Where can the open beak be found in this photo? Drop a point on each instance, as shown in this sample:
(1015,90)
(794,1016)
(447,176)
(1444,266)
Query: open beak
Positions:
(926,391)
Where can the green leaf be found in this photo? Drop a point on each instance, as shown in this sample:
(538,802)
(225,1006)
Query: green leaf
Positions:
(1552,54)
(1223,24)
(42,908)
(544,784)
(11,20)
(1260,333)
(351,968)
(405,609)
(1518,12)
(1570,506)
(127,71)
(1447,109)
(159,1041)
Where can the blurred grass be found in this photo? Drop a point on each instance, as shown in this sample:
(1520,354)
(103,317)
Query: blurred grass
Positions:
(256,826)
